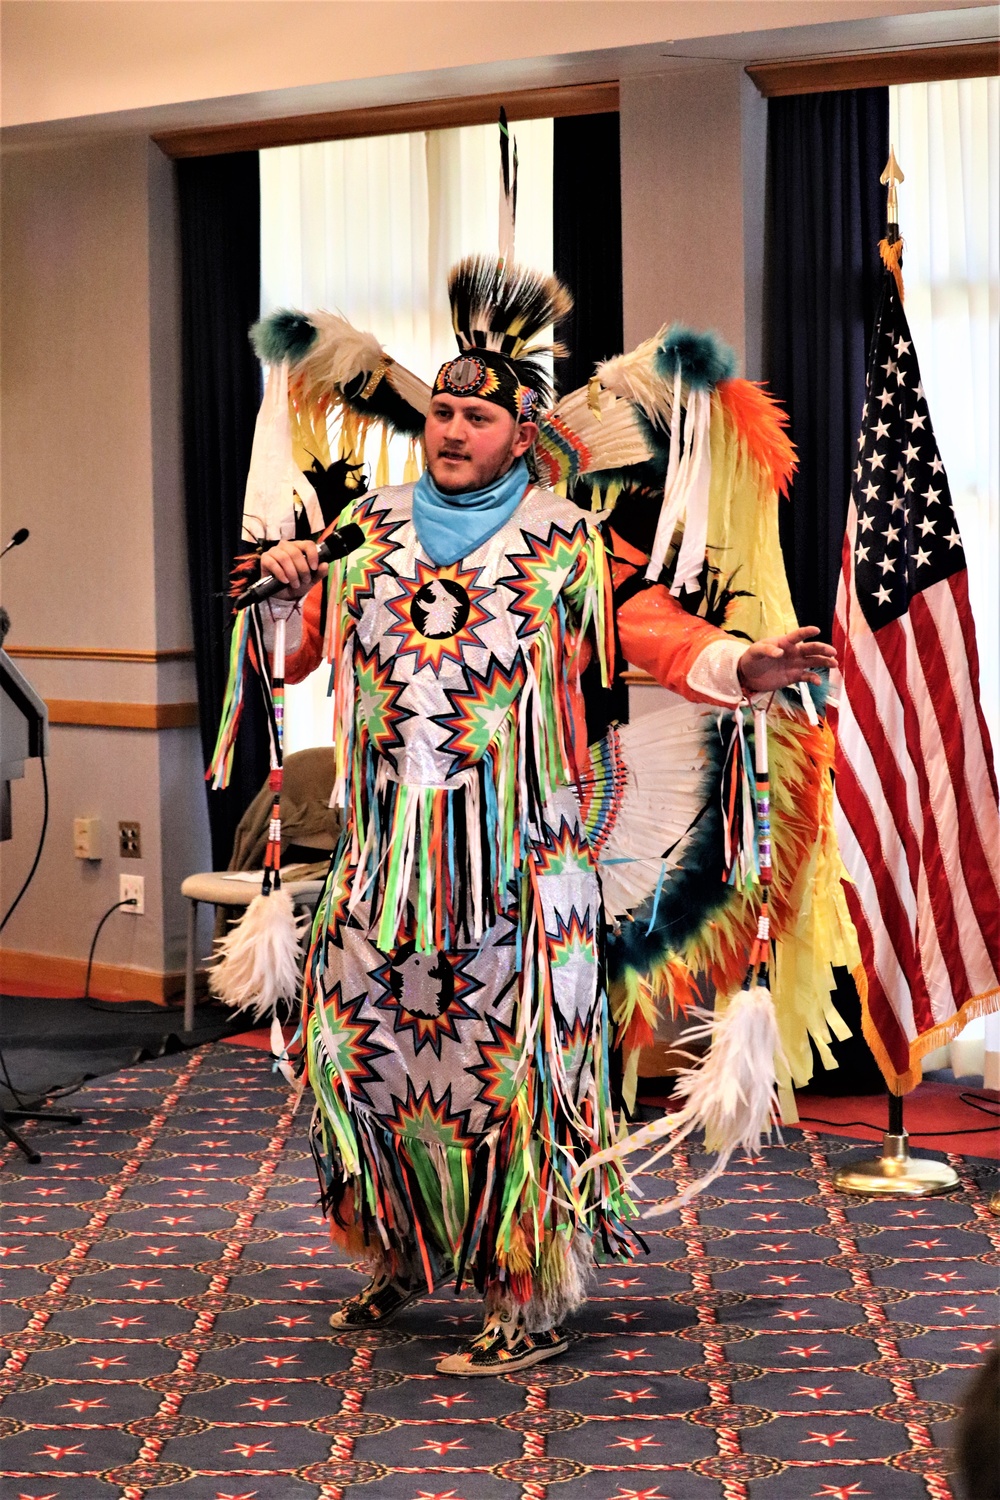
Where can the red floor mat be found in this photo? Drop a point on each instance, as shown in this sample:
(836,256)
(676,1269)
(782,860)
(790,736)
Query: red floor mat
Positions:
(937,1116)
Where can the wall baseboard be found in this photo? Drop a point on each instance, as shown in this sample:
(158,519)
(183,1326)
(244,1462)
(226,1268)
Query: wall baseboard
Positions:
(20,971)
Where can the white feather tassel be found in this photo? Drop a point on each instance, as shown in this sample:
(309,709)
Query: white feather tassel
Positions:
(274,479)
(732,1095)
(258,962)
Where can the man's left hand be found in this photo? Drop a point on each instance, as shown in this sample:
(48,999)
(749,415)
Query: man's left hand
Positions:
(781,660)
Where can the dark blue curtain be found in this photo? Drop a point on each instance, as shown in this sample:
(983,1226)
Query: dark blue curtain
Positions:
(826,215)
(220,297)
(587,240)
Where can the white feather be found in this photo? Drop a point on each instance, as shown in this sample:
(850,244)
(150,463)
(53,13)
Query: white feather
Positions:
(258,961)
(732,1094)
(665,755)
(412,389)
(280,1054)
(634,377)
(340,353)
(614,439)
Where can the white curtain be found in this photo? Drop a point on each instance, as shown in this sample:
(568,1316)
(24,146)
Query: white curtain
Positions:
(369,228)
(947,140)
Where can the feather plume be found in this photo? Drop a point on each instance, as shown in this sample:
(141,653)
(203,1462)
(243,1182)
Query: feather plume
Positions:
(577,439)
(496,305)
(258,961)
(646,375)
(763,428)
(731,1095)
(285,334)
(340,352)
(703,358)
(410,388)
(636,377)
(330,361)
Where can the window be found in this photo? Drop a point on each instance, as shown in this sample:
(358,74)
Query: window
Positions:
(369,228)
(947,139)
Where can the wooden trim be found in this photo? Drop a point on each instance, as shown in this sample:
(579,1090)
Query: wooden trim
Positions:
(865,70)
(122,715)
(99,653)
(22,972)
(391,119)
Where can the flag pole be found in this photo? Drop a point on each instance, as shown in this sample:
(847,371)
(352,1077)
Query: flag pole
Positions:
(896,1173)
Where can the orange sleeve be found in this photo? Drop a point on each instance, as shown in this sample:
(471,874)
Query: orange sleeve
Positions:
(661,638)
(309,653)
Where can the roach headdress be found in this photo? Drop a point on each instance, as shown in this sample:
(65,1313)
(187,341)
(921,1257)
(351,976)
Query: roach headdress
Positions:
(498,309)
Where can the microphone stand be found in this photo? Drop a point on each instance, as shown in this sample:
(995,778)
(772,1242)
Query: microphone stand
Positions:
(6,1115)
(26,1112)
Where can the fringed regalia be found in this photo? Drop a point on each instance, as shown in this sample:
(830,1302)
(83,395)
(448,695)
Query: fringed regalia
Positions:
(455,1011)
(460,1010)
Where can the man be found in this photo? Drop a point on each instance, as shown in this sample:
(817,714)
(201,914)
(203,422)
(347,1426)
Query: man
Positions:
(451,1115)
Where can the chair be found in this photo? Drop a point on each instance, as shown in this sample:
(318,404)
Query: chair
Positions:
(309,832)
(230,888)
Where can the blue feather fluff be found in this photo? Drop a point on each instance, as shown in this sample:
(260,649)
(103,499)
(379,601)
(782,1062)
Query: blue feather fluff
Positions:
(284,334)
(704,359)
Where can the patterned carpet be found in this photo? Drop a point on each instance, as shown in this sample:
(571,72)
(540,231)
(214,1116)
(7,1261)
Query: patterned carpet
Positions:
(167,1283)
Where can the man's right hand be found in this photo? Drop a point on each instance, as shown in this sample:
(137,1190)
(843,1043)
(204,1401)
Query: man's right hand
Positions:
(296,565)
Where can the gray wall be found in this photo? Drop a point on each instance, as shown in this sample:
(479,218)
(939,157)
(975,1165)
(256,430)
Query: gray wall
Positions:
(692,144)
(91,462)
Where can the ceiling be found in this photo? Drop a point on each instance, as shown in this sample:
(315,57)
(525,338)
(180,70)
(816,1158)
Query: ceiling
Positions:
(73,68)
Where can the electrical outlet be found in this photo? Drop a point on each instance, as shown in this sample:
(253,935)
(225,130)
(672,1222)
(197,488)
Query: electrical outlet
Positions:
(129,841)
(87,838)
(132,887)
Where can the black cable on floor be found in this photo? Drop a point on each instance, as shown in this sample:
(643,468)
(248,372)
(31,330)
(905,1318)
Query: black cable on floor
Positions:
(974,1101)
(928,1135)
(980,1101)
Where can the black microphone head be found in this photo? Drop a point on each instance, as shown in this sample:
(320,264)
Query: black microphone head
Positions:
(20,536)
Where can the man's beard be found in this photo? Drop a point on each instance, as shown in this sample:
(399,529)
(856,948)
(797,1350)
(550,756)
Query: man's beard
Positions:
(455,486)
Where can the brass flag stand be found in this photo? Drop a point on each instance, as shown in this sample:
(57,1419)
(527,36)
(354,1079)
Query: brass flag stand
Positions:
(896,1173)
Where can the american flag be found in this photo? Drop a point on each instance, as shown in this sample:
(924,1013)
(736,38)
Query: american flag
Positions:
(916,788)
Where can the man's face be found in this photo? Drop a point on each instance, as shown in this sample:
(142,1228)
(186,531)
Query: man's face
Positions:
(472,442)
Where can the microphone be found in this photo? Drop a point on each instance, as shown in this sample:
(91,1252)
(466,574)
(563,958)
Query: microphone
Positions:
(337,544)
(19,536)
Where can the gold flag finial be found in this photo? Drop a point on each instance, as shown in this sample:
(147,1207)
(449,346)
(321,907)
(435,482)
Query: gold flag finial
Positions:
(893,173)
(891,248)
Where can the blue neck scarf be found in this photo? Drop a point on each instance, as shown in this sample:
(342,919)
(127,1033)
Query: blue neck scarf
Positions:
(451,526)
